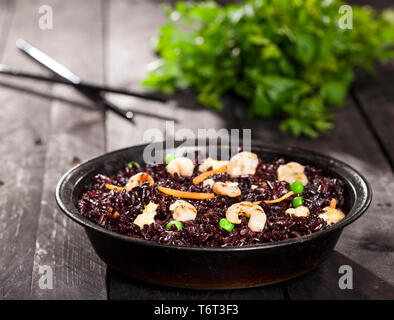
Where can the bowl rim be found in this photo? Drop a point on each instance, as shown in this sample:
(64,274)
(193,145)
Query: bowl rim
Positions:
(351,216)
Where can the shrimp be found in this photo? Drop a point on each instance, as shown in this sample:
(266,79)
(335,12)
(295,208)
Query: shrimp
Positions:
(227,188)
(182,166)
(330,214)
(208,182)
(210,163)
(147,216)
(300,211)
(243,163)
(183,211)
(256,215)
(292,171)
(137,180)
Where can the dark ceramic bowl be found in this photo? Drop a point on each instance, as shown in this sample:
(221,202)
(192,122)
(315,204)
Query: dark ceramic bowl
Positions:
(213,268)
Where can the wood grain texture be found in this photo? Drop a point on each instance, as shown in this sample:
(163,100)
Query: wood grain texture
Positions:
(375,99)
(6,15)
(365,140)
(368,241)
(23,127)
(323,283)
(129,52)
(74,134)
(365,240)
(45,129)
(374,95)
(362,138)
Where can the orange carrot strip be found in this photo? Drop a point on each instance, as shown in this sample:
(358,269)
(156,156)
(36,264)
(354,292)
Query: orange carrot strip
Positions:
(186,194)
(201,177)
(112,187)
(263,184)
(115,214)
(289,194)
(333,203)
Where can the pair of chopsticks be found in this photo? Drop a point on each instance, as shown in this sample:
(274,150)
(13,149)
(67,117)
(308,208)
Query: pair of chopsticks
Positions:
(66,77)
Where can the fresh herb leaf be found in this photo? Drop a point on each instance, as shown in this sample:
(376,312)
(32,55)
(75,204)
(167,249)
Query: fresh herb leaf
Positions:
(286,58)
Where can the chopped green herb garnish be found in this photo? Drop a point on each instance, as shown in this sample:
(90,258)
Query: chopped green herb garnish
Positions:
(176,223)
(130,164)
(226,225)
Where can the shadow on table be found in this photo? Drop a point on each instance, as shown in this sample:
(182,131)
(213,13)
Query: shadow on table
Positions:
(121,287)
(90,107)
(233,107)
(40,94)
(321,283)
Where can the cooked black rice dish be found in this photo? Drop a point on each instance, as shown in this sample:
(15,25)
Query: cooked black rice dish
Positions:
(240,202)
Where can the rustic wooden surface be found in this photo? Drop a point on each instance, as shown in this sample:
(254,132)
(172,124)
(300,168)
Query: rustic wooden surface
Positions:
(45,129)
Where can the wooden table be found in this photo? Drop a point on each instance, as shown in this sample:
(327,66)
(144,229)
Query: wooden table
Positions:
(45,129)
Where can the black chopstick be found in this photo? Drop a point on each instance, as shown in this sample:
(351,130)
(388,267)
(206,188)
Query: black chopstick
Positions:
(15,73)
(62,72)
(72,79)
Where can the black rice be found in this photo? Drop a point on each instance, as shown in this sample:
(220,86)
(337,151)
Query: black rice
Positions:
(99,205)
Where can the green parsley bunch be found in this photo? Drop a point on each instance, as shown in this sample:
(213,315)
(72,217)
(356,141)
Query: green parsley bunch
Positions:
(286,58)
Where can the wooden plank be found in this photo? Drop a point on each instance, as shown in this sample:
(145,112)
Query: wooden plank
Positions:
(74,134)
(375,99)
(374,95)
(368,241)
(325,280)
(6,15)
(129,52)
(334,145)
(24,122)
